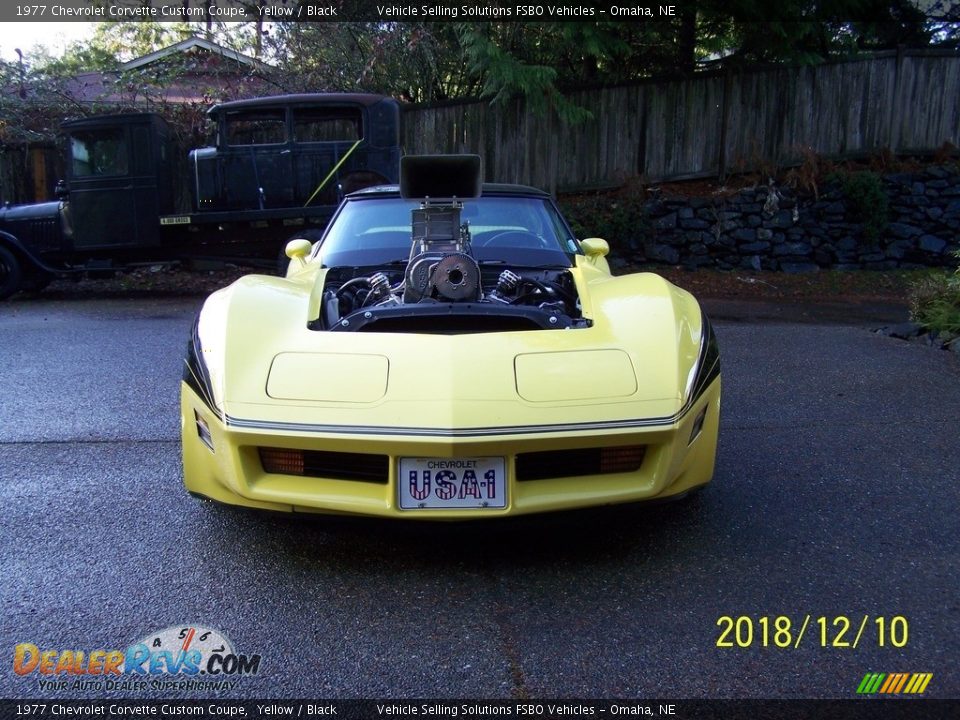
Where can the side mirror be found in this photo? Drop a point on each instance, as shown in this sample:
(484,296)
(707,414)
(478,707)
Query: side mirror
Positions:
(595,248)
(61,191)
(298,249)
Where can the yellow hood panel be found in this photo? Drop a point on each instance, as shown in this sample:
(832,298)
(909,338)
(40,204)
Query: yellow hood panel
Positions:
(579,375)
(328,377)
(266,364)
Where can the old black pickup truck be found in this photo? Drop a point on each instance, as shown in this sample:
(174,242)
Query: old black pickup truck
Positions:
(276,169)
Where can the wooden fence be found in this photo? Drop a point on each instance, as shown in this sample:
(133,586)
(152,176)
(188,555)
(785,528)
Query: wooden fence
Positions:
(705,126)
(708,125)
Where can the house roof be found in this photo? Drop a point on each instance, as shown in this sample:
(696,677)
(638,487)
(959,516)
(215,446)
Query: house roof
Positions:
(235,78)
(101,87)
(189,44)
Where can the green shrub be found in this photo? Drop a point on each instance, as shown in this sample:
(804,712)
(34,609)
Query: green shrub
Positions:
(618,218)
(935,302)
(866,202)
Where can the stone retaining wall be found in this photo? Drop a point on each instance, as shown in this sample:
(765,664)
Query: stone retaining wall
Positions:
(777,228)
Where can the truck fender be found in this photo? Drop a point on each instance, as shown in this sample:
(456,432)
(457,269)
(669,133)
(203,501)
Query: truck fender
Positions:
(27,257)
(11,274)
(20,269)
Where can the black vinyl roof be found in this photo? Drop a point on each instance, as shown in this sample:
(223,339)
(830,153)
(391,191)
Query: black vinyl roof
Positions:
(498,189)
(365,99)
(112,119)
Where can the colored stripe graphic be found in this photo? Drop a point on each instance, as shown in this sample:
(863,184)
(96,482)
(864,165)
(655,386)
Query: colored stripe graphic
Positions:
(892,679)
(894,683)
(863,684)
(899,686)
(189,639)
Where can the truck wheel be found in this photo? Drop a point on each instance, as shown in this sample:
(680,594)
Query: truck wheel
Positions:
(10,273)
(37,281)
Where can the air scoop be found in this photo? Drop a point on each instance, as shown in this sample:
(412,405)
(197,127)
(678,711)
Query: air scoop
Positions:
(441,264)
(440,177)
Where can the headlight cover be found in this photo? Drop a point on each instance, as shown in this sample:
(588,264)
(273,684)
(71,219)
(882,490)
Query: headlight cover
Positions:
(195,373)
(707,367)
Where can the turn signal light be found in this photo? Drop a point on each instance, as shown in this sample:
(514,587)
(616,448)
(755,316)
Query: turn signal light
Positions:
(627,458)
(697,426)
(282,461)
(203,431)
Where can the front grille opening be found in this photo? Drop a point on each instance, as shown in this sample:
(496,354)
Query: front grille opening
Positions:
(451,324)
(359,467)
(583,461)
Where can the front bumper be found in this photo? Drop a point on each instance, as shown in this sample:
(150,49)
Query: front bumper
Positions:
(679,456)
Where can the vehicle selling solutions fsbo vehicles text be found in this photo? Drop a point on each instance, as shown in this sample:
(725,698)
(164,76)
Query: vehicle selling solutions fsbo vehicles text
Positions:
(523,10)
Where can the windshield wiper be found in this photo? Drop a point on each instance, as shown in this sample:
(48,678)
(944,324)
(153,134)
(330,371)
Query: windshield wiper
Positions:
(524,266)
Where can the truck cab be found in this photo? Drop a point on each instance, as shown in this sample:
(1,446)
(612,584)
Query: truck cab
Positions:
(277,169)
(120,180)
(296,151)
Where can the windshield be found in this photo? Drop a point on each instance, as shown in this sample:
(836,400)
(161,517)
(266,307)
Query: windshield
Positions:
(517,230)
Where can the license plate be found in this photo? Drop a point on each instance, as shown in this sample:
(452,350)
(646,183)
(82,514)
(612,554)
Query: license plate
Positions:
(439,483)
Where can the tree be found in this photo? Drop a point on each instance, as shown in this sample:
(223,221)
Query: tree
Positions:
(420,62)
(436,61)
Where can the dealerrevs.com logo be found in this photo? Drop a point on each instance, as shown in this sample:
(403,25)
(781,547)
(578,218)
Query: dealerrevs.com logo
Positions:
(187,657)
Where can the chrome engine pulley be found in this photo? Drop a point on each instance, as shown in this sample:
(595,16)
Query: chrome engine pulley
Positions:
(456,277)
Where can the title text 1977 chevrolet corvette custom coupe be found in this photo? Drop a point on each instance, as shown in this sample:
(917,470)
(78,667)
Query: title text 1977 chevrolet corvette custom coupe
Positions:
(448,351)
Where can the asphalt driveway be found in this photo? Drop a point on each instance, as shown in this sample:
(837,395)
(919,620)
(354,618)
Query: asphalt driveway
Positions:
(835,501)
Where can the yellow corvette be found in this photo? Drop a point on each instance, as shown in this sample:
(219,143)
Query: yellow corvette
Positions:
(448,351)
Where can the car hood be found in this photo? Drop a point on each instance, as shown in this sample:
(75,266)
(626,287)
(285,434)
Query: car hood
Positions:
(268,369)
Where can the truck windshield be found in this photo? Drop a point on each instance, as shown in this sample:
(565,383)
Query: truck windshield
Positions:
(98,152)
(326,124)
(257,127)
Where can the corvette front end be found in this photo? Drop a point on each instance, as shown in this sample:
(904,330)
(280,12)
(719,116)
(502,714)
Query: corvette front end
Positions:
(360,474)
(498,370)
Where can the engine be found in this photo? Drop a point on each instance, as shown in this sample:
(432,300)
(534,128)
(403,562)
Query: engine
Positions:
(441,264)
(443,288)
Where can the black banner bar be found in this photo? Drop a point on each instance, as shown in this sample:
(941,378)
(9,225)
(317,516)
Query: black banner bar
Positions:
(201,11)
(901,708)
